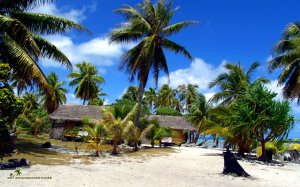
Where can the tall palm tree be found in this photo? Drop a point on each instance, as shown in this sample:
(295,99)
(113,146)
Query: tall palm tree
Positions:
(21,43)
(149,25)
(187,94)
(151,98)
(234,82)
(287,57)
(87,81)
(98,101)
(51,103)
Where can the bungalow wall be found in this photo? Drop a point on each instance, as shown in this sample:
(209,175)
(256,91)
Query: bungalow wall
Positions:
(179,136)
(59,127)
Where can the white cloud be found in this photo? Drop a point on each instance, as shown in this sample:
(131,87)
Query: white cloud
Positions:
(273,85)
(199,73)
(98,51)
(76,15)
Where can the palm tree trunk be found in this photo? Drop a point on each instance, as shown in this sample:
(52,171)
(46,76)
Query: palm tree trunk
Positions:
(140,98)
(114,151)
(196,136)
(263,151)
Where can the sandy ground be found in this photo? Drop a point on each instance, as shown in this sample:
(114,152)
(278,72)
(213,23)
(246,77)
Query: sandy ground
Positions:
(185,167)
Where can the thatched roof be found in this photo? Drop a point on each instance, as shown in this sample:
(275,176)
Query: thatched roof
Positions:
(76,112)
(173,122)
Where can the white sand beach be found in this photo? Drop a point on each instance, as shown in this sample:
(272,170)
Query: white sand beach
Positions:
(185,167)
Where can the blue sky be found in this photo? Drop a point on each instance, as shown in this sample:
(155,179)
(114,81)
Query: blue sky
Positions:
(231,30)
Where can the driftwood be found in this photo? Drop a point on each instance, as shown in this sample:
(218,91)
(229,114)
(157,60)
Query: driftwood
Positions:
(232,166)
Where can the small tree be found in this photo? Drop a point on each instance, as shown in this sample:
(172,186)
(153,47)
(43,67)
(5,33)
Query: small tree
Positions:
(97,131)
(260,114)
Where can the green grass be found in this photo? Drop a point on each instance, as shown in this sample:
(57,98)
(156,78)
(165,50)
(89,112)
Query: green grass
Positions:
(30,148)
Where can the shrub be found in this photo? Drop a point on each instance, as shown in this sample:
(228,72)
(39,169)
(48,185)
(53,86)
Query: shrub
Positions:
(168,111)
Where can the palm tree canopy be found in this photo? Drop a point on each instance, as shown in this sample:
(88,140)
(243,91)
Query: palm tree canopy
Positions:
(287,57)
(150,25)
(59,96)
(87,81)
(234,82)
(21,44)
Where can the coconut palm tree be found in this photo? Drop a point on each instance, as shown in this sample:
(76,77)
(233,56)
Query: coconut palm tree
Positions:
(97,131)
(155,132)
(114,119)
(151,98)
(187,94)
(149,25)
(31,101)
(21,43)
(51,103)
(287,57)
(87,81)
(131,94)
(234,82)
(200,114)
(98,101)
(166,96)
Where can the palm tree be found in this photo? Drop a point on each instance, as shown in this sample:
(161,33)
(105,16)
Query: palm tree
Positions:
(155,132)
(233,83)
(166,96)
(287,57)
(97,131)
(59,96)
(149,25)
(98,101)
(116,122)
(31,101)
(87,81)
(151,98)
(21,43)
(187,94)
(200,114)
(131,94)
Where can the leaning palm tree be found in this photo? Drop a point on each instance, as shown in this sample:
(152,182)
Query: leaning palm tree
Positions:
(287,58)
(87,81)
(149,25)
(233,83)
(21,43)
(51,103)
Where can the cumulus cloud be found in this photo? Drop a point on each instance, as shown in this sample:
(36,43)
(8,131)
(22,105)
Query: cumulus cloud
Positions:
(76,15)
(98,51)
(199,72)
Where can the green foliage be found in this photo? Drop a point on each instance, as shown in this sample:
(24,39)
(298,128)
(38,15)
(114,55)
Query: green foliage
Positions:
(35,122)
(294,146)
(168,111)
(124,106)
(269,146)
(87,81)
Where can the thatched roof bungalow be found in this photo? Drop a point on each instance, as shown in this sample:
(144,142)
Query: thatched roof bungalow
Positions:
(181,127)
(69,116)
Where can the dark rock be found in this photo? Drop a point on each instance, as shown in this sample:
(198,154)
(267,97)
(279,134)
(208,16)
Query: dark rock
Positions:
(24,162)
(15,161)
(231,165)
(46,145)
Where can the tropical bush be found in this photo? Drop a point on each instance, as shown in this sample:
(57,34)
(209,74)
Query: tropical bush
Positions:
(168,111)
(294,146)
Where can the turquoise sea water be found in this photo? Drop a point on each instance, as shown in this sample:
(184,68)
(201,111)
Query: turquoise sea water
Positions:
(210,142)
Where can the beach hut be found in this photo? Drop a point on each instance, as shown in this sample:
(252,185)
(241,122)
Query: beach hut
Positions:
(182,129)
(70,116)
